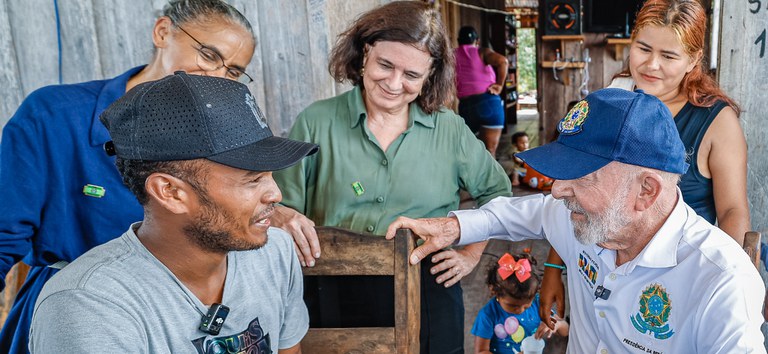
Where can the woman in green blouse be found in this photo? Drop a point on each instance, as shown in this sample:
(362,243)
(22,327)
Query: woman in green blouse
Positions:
(389,147)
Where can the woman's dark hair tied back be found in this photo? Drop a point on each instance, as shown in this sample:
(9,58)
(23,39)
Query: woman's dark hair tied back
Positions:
(467,35)
(188,11)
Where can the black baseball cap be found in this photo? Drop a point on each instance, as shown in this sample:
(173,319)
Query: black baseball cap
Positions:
(185,117)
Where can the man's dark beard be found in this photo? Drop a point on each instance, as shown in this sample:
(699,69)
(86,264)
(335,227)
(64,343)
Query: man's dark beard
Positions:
(208,230)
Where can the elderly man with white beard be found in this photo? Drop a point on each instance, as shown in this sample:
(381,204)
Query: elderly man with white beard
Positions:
(645,273)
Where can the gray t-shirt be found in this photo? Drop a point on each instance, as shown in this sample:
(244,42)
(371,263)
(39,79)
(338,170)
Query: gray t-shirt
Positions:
(118,298)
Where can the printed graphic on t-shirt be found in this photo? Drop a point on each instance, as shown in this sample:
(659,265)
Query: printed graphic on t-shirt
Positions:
(506,330)
(508,336)
(252,340)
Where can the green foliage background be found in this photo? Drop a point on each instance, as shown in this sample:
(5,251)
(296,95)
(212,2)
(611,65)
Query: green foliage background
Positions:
(526,57)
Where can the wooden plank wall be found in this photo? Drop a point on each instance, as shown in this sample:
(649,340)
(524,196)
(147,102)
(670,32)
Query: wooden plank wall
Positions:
(10,83)
(743,74)
(455,17)
(103,38)
(554,95)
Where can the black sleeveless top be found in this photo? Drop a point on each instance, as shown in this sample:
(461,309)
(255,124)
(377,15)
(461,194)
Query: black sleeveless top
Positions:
(692,122)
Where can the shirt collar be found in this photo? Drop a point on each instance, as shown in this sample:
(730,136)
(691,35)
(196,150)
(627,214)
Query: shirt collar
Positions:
(661,251)
(110,92)
(356,106)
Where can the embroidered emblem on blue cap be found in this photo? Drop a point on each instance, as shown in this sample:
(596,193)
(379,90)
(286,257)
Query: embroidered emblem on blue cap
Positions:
(654,313)
(571,123)
(251,102)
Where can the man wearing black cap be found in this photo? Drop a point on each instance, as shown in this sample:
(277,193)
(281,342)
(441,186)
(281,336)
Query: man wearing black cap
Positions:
(203,272)
(645,273)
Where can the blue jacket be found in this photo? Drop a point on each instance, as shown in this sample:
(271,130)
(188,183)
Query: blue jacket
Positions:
(51,149)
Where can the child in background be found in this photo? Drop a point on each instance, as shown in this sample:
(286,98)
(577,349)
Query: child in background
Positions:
(513,312)
(520,141)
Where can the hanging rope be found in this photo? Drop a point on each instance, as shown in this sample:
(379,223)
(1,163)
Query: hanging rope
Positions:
(483,9)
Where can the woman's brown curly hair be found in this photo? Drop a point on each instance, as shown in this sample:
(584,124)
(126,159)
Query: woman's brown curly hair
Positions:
(410,22)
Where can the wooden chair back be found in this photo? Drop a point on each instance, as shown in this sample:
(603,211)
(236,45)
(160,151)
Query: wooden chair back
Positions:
(752,247)
(350,253)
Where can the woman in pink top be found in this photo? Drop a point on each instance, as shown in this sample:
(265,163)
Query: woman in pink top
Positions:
(480,75)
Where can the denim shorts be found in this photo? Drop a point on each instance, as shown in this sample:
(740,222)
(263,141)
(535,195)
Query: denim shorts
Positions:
(484,110)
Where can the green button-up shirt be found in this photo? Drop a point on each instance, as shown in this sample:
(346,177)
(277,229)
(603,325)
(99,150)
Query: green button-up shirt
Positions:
(352,183)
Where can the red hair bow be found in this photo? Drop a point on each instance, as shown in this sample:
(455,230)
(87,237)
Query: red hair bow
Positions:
(508,265)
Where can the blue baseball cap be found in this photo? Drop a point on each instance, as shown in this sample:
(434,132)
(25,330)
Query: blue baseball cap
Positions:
(611,124)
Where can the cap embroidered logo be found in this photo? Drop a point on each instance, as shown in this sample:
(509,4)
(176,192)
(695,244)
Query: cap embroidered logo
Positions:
(571,123)
(251,102)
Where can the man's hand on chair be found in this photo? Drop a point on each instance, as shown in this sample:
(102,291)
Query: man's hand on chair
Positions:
(437,234)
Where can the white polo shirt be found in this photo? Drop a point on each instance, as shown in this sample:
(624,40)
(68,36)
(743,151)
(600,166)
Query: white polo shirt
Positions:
(692,289)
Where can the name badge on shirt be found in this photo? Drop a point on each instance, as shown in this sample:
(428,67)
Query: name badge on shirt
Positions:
(357,187)
(93,190)
(588,269)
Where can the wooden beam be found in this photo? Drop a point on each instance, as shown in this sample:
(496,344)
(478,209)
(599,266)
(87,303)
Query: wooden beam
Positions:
(618,46)
(349,340)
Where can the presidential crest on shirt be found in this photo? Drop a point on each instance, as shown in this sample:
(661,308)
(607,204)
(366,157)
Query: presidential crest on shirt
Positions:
(653,315)
(572,122)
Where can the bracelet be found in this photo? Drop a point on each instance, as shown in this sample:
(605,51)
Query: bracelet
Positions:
(561,267)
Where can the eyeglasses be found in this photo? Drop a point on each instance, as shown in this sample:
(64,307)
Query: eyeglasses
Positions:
(209,60)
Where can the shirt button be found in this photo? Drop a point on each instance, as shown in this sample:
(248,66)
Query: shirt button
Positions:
(603,351)
(602,314)
(369,228)
(612,276)
(380,199)
(384,162)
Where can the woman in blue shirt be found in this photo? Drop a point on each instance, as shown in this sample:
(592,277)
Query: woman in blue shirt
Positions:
(62,194)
